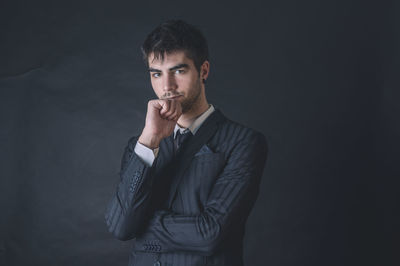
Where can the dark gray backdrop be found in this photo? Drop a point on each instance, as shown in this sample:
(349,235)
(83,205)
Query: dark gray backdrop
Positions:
(318,78)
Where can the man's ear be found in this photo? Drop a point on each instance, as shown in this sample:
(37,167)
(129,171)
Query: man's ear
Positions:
(204,70)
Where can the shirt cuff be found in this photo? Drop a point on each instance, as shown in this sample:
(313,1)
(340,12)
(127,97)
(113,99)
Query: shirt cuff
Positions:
(146,154)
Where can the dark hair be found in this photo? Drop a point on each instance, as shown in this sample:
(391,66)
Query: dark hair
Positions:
(176,35)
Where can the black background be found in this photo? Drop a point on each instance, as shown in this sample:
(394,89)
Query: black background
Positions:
(318,78)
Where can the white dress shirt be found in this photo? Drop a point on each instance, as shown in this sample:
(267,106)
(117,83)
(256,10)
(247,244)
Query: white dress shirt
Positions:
(148,155)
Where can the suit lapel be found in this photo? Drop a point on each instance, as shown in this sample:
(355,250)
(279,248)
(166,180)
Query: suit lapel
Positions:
(204,133)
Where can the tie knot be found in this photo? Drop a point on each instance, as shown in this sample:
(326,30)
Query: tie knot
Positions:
(180,138)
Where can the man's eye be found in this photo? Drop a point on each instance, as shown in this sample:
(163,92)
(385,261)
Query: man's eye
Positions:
(156,75)
(179,71)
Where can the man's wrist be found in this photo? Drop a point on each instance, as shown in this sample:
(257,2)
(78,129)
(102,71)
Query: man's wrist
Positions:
(150,141)
(146,154)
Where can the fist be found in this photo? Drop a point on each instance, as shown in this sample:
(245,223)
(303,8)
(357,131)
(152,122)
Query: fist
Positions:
(161,118)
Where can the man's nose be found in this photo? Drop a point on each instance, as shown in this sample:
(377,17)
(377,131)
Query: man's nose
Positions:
(169,83)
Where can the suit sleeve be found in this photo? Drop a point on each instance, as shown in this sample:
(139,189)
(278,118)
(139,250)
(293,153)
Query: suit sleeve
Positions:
(128,209)
(230,201)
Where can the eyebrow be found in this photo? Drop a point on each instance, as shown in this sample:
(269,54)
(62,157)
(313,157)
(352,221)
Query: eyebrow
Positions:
(170,69)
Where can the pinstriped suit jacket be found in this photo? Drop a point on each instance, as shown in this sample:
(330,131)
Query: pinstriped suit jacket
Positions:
(190,209)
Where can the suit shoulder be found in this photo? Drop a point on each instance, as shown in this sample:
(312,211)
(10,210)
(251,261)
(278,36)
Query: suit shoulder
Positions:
(239,130)
(240,143)
(233,133)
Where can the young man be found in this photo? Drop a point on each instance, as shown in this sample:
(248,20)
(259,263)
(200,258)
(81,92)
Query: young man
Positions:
(190,179)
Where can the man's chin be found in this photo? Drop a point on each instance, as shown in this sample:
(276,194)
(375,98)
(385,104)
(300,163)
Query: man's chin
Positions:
(186,107)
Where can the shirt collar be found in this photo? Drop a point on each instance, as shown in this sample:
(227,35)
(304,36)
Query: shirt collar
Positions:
(197,122)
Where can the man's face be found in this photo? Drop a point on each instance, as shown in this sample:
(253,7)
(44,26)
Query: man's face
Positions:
(176,77)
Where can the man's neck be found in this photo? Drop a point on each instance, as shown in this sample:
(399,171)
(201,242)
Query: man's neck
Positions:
(186,119)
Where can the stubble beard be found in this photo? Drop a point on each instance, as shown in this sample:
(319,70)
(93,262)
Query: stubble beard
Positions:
(190,103)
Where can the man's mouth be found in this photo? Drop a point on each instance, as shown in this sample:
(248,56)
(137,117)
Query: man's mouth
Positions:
(174,97)
(171,96)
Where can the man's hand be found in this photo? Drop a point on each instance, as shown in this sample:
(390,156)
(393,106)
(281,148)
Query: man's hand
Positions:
(161,117)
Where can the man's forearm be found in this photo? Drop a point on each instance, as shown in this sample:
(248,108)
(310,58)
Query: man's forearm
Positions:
(128,208)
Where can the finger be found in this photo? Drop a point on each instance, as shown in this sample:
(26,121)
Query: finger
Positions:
(172,109)
(175,118)
(165,107)
(155,104)
(177,114)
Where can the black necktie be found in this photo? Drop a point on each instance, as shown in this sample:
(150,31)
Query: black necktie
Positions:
(180,139)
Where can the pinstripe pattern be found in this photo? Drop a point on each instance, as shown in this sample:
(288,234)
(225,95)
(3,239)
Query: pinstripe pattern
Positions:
(191,209)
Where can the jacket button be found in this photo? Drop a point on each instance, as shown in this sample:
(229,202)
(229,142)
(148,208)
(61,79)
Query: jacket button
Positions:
(157,263)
